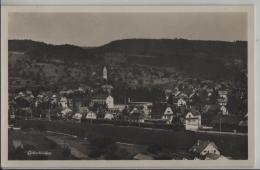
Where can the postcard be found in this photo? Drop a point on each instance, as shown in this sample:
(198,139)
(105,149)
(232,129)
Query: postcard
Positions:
(127,86)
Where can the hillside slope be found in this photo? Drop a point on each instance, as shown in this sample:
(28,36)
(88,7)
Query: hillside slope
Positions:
(138,60)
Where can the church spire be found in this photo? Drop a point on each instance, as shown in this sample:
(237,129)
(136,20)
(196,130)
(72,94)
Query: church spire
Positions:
(105,73)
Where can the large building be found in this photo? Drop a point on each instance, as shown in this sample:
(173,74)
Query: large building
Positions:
(104,99)
(193,120)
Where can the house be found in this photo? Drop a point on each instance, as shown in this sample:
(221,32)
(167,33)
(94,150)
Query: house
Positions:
(91,115)
(222,101)
(66,112)
(109,116)
(203,148)
(222,93)
(224,110)
(223,98)
(103,99)
(137,114)
(146,107)
(167,92)
(107,88)
(168,115)
(193,120)
(181,102)
(64,102)
(244,121)
(83,109)
(117,108)
(77,116)
(54,99)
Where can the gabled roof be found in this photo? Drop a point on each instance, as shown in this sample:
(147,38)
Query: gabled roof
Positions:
(169,111)
(200,145)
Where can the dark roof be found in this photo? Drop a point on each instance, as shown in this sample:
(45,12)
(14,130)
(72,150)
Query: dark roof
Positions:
(199,146)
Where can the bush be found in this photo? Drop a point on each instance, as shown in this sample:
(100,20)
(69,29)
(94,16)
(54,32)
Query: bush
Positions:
(17,154)
(102,142)
(94,153)
(154,148)
(163,156)
(66,152)
(119,154)
(102,145)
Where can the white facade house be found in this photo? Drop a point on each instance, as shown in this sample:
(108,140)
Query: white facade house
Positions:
(146,107)
(223,98)
(109,100)
(64,102)
(91,115)
(168,115)
(109,116)
(222,93)
(224,110)
(77,116)
(192,121)
(65,112)
(181,102)
(205,149)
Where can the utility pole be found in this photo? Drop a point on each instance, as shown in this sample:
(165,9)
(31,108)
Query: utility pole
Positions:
(49,112)
(220,125)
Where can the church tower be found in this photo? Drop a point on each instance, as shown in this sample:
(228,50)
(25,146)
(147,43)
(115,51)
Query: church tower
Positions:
(105,73)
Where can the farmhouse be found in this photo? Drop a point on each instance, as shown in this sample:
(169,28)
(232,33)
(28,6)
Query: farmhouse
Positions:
(181,102)
(193,120)
(168,115)
(91,115)
(109,116)
(203,148)
(146,107)
(64,102)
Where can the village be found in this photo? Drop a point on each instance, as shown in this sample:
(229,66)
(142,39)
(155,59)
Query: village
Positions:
(203,108)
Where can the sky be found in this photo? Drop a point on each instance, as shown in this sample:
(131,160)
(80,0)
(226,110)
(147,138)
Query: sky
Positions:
(96,29)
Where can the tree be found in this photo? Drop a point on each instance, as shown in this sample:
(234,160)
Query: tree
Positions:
(101,145)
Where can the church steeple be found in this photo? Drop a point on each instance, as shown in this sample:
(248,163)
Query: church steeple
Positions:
(105,73)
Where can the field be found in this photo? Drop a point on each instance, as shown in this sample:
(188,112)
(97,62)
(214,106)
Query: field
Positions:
(234,146)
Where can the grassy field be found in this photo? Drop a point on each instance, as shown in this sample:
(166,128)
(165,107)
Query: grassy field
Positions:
(54,143)
(35,141)
(235,146)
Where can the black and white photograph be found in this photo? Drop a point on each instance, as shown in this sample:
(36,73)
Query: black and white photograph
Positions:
(121,85)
